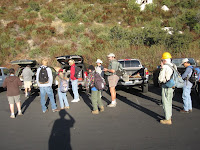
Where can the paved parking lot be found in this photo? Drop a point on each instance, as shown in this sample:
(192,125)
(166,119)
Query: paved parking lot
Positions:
(132,125)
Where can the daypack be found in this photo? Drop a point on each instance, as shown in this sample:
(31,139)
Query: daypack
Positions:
(192,78)
(176,79)
(120,71)
(64,85)
(99,81)
(77,72)
(43,75)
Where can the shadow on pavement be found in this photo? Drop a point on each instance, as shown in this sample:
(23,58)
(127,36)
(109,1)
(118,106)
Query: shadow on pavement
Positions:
(60,138)
(86,98)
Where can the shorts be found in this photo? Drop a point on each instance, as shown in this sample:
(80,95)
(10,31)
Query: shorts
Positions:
(27,84)
(13,99)
(113,80)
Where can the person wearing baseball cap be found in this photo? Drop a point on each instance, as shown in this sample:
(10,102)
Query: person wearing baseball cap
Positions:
(187,102)
(112,77)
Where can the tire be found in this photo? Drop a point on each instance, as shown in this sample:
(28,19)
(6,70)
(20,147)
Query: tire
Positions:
(145,88)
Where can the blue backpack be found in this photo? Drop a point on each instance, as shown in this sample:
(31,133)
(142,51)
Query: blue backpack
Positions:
(176,79)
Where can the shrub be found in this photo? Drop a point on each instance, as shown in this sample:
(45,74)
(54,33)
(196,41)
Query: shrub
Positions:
(33,6)
(197,28)
(131,4)
(69,15)
(34,53)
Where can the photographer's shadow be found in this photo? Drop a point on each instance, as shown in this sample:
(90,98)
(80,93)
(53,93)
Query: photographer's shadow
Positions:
(60,138)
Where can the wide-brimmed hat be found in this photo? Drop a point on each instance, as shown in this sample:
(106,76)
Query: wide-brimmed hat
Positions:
(99,61)
(185,60)
(111,55)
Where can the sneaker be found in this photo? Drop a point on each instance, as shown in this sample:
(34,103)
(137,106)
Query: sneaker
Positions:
(45,111)
(190,110)
(75,100)
(183,111)
(67,107)
(95,112)
(55,110)
(12,116)
(20,113)
(112,105)
(167,122)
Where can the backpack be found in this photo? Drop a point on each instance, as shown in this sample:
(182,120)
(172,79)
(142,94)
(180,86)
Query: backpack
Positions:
(120,71)
(176,79)
(99,81)
(43,75)
(192,78)
(64,85)
(77,72)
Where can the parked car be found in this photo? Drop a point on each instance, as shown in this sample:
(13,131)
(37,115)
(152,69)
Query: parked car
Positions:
(135,74)
(34,65)
(79,61)
(4,72)
(180,68)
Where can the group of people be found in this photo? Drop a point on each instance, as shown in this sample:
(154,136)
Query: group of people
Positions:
(167,92)
(44,78)
(45,85)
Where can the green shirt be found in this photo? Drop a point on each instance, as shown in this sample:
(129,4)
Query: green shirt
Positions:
(114,64)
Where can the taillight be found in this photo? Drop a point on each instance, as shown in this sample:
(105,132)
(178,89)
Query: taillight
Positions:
(85,74)
(147,72)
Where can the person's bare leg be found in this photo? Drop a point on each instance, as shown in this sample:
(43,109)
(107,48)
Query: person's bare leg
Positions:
(12,108)
(113,93)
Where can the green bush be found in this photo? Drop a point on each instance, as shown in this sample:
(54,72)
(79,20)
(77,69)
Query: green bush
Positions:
(69,15)
(33,6)
(132,5)
(197,28)
(34,53)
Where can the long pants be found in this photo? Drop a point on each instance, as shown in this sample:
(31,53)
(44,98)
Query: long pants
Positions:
(187,102)
(62,99)
(75,88)
(96,99)
(167,95)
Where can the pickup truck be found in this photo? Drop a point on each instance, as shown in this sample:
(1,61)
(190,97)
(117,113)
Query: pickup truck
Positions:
(135,74)
(180,68)
(4,72)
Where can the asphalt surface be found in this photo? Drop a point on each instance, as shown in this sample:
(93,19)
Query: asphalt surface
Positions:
(132,125)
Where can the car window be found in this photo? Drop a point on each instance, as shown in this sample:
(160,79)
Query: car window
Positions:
(6,72)
(130,63)
(178,62)
(0,73)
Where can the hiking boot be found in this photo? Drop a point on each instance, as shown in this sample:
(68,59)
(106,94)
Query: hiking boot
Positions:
(55,110)
(12,116)
(112,105)
(183,111)
(95,112)
(20,113)
(101,109)
(167,122)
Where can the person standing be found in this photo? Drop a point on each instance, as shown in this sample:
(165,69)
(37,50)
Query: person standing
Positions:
(187,102)
(74,81)
(12,83)
(44,80)
(27,76)
(95,93)
(99,68)
(112,77)
(62,95)
(167,93)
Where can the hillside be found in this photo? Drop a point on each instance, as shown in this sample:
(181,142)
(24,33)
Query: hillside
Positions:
(34,29)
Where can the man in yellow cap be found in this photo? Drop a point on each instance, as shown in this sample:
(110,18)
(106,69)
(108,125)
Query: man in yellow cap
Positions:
(167,93)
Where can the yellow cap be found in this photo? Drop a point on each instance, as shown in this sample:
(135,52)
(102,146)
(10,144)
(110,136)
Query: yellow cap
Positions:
(166,55)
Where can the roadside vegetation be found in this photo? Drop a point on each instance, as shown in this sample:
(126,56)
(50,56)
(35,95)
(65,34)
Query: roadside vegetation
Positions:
(34,29)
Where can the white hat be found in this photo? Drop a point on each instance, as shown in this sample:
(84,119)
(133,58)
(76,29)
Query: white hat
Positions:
(184,61)
(111,55)
(99,61)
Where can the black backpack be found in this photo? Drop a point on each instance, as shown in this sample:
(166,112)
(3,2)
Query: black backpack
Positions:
(192,78)
(43,75)
(99,81)
(77,72)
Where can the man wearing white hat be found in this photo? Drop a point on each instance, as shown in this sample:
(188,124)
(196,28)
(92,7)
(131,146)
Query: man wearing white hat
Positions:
(187,102)
(112,77)
(99,68)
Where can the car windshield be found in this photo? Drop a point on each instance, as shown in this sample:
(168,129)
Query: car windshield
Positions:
(178,61)
(130,63)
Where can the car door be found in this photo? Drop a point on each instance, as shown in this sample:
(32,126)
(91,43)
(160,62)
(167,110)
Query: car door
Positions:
(4,72)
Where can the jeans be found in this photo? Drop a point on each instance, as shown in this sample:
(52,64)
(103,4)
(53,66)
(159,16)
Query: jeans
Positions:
(62,97)
(167,95)
(75,88)
(96,100)
(49,91)
(187,102)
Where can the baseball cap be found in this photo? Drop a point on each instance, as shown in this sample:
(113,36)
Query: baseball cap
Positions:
(185,60)
(111,55)
(99,61)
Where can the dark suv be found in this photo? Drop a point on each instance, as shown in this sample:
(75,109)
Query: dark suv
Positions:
(34,65)
(63,60)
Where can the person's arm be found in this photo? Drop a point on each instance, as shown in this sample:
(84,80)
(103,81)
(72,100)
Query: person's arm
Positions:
(19,82)
(50,75)
(187,71)
(37,76)
(5,83)
(72,73)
